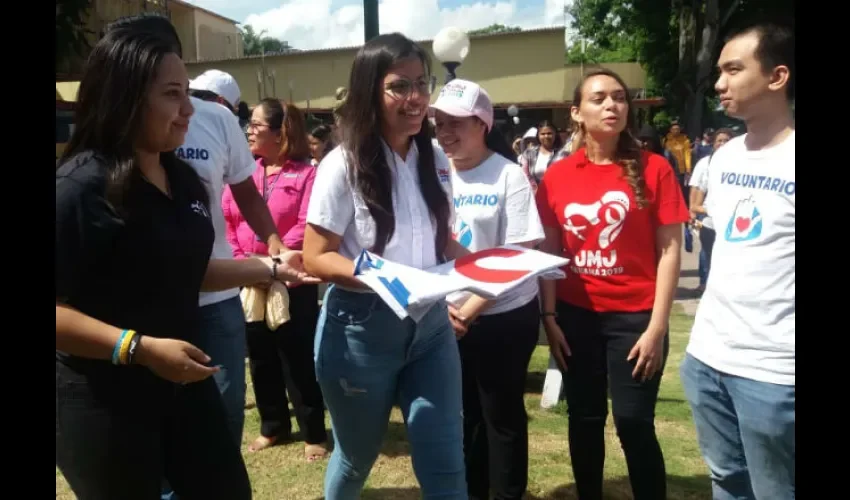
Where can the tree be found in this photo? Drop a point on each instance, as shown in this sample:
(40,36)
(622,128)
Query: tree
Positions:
(255,44)
(71,32)
(493,29)
(677,41)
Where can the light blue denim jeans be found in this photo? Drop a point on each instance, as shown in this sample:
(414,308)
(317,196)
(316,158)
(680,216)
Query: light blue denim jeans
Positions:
(368,360)
(746,431)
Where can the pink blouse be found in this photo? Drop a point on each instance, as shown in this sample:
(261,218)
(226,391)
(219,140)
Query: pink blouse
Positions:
(288,196)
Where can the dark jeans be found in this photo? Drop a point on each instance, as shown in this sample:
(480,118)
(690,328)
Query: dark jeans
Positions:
(494,361)
(600,344)
(282,360)
(706,241)
(120,430)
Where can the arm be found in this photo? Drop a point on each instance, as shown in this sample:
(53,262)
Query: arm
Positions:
(323,260)
(526,169)
(240,166)
(294,238)
(231,221)
(550,245)
(256,213)
(697,199)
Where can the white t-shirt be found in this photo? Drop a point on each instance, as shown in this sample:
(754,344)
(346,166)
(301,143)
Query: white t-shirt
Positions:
(216,148)
(336,206)
(745,323)
(541,164)
(699,180)
(494,206)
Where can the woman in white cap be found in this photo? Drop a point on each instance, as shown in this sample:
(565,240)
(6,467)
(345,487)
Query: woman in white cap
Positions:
(494,206)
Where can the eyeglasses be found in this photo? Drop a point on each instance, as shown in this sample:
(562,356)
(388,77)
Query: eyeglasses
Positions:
(402,88)
(257,126)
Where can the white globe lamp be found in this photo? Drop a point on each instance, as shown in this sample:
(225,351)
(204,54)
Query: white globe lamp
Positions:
(451,46)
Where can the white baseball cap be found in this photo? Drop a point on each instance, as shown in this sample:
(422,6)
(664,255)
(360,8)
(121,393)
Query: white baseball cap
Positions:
(218,82)
(464,98)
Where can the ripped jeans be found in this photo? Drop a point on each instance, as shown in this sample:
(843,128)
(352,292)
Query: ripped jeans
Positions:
(367,361)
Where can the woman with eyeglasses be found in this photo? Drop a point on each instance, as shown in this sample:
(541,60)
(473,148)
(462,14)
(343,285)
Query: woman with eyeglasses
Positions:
(282,360)
(387,189)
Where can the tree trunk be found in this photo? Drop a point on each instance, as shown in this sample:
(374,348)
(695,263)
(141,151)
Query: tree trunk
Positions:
(704,63)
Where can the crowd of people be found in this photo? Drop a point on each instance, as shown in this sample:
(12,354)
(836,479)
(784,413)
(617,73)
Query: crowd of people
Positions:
(168,220)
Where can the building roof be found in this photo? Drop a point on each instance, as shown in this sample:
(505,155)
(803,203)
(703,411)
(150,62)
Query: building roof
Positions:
(421,42)
(196,7)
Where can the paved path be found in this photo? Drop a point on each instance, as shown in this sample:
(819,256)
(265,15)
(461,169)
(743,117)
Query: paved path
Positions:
(689,280)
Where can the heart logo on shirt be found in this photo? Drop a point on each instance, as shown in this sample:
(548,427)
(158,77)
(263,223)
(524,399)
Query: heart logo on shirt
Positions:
(742,223)
(746,223)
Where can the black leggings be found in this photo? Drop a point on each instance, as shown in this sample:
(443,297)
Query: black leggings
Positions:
(120,430)
(600,344)
(494,358)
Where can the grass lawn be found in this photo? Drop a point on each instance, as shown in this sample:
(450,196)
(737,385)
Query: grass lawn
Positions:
(281,473)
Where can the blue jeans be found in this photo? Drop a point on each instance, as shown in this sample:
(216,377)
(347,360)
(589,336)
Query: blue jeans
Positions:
(368,360)
(746,431)
(223,340)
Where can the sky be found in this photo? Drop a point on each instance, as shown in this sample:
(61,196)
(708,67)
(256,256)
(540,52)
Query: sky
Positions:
(318,24)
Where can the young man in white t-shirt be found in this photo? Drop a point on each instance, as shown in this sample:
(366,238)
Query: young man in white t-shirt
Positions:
(494,205)
(216,148)
(739,371)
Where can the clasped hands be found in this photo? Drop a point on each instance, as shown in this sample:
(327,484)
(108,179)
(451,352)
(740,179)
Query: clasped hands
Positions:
(288,268)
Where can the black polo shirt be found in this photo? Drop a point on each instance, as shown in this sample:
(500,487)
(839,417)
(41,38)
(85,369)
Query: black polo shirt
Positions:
(141,270)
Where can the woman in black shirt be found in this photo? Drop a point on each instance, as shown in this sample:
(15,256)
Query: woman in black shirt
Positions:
(134,397)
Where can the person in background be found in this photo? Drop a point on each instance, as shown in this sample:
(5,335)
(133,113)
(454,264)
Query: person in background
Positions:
(496,338)
(649,141)
(703,146)
(244,114)
(537,159)
(516,145)
(616,212)
(739,371)
(321,143)
(135,397)
(680,147)
(215,147)
(699,215)
(386,189)
(282,360)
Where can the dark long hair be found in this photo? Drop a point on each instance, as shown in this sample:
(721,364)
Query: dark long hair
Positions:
(111,99)
(628,154)
(324,133)
(360,124)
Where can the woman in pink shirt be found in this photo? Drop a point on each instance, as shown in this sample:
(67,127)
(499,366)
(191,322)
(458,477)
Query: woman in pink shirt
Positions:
(278,138)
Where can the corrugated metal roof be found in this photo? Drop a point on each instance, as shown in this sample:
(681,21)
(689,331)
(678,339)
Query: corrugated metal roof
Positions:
(350,47)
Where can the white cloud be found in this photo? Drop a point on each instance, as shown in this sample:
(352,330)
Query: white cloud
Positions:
(314,24)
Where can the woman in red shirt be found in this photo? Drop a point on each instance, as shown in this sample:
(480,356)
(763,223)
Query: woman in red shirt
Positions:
(616,212)
(278,137)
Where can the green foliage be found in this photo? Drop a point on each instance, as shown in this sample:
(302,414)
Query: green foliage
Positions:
(661,120)
(255,44)
(494,28)
(71,32)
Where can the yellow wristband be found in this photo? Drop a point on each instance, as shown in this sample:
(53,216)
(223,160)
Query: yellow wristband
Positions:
(125,346)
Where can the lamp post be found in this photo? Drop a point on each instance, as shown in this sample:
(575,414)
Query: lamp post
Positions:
(451,46)
(370,20)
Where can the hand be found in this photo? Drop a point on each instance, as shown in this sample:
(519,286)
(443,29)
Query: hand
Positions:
(557,342)
(290,269)
(649,351)
(458,321)
(174,360)
(275,246)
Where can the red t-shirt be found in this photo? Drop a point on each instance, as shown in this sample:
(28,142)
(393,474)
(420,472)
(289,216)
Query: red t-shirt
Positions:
(610,241)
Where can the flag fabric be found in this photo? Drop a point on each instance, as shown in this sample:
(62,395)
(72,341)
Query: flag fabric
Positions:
(411,292)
